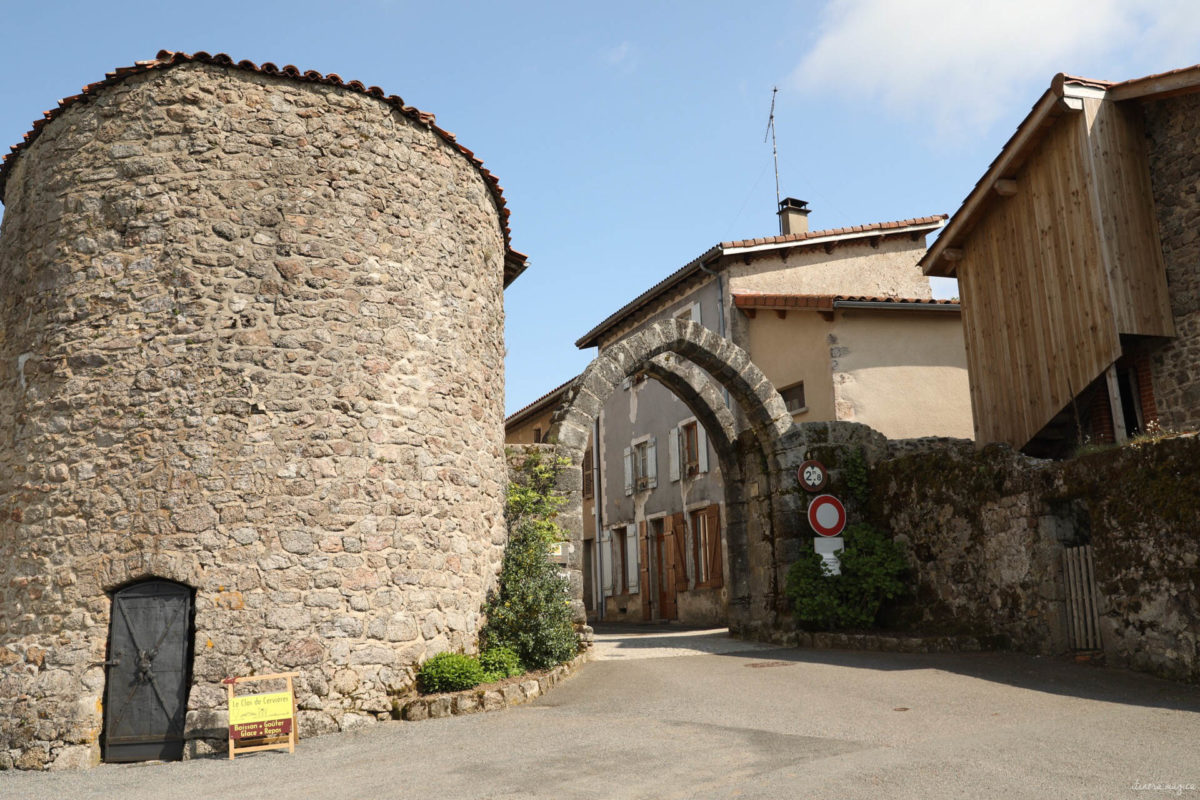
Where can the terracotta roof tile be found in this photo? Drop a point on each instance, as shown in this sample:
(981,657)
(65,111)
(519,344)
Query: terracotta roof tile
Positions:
(825,301)
(515,261)
(800,237)
(536,405)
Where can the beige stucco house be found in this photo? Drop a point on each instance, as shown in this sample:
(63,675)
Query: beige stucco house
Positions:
(842,322)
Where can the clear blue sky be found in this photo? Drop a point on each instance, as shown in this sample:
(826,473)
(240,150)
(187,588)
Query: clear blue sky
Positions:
(628,136)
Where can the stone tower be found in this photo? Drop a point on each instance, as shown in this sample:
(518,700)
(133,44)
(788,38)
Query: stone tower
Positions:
(252,349)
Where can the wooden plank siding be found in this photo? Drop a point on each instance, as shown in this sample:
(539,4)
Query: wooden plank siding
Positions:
(1037,316)
(1121,167)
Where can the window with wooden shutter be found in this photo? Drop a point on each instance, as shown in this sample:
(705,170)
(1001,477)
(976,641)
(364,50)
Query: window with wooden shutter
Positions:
(628,471)
(606,564)
(631,559)
(652,463)
(588,475)
(673,453)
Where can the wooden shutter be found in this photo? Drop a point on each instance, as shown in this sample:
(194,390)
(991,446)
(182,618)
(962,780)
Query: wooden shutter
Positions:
(628,471)
(701,448)
(696,313)
(673,452)
(716,575)
(652,462)
(644,572)
(606,564)
(681,571)
(631,558)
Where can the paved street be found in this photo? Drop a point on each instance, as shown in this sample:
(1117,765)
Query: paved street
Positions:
(697,715)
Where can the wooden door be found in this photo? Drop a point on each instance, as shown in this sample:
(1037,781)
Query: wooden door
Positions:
(149,668)
(664,564)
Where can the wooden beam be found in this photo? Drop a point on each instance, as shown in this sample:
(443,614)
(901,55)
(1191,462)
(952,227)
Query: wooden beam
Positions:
(1114,403)
(750,312)
(781,313)
(1005,187)
(953,254)
(1177,82)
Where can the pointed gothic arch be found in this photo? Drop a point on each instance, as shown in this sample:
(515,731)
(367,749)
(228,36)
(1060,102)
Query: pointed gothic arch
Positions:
(751,447)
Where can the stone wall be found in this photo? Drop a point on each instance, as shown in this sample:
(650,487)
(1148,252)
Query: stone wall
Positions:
(253,343)
(1173,129)
(985,532)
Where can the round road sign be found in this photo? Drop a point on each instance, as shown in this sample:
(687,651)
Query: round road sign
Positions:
(827,515)
(812,476)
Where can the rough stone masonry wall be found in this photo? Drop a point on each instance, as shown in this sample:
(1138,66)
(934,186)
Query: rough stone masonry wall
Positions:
(985,532)
(1173,129)
(251,342)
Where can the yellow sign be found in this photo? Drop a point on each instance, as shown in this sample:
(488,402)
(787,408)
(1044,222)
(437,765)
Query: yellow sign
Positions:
(260,708)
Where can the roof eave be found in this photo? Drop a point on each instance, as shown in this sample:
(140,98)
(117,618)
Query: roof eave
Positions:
(1061,98)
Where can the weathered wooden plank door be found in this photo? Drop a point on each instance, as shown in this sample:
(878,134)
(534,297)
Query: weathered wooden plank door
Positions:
(664,561)
(149,667)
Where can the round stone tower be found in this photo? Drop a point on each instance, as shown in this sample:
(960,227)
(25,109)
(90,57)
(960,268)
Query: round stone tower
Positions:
(251,405)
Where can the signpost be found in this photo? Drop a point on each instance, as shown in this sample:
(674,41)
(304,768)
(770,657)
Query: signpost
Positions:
(263,721)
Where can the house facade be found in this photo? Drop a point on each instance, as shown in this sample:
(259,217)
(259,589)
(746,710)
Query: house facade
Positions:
(843,324)
(1079,267)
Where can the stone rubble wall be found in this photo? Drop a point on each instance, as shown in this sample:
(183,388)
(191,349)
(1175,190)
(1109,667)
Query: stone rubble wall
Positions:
(251,341)
(1173,132)
(985,531)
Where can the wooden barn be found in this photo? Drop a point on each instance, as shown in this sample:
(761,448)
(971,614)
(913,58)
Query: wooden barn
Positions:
(1078,260)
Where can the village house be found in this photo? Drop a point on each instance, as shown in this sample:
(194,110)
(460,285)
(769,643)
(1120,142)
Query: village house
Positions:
(840,321)
(1079,267)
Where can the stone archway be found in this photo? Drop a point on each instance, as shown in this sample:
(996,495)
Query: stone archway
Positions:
(751,450)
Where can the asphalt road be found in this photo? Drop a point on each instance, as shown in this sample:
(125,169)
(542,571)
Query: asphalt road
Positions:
(700,716)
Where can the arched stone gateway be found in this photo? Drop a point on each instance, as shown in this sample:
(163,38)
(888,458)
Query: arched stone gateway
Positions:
(756,449)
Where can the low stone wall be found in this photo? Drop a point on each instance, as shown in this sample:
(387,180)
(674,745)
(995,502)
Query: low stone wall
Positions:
(473,701)
(985,531)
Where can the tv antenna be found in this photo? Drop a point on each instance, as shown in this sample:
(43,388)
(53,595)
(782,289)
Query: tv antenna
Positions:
(774,150)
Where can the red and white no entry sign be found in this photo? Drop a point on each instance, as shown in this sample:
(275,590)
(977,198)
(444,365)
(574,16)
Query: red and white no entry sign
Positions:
(827,515)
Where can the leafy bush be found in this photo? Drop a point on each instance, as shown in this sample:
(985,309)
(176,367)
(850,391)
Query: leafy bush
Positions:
(873,570)
(449,672)
(499,663)
(531,611)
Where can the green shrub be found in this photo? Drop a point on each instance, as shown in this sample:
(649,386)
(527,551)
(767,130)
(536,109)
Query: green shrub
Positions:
(499,663)
(449,672)
(530,611)
(873,571)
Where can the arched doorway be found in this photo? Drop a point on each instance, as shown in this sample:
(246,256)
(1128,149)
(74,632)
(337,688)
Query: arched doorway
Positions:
(693,363)
(149,670)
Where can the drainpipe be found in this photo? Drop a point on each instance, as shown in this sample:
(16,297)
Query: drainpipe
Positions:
(597,510)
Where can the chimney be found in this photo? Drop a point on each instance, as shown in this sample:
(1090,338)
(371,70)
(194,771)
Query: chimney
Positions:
(793,216)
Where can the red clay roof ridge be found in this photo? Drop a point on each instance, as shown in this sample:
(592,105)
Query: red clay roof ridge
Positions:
(852,229)
(169,58)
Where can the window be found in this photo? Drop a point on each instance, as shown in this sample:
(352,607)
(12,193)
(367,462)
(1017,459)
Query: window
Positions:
(706,547)
(624,559)
(537,435)
(641,465)
(691,311)
(689,450)
(588,475)
(793,397)
(618,560)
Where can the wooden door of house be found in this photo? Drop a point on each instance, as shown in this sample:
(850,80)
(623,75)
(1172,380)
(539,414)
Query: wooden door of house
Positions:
(149,668)
(664,562)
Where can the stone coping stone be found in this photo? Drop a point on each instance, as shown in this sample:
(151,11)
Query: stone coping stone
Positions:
(882,642)
(520,689)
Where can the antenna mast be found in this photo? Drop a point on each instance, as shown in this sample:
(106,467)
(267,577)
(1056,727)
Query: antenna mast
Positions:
(774,151)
